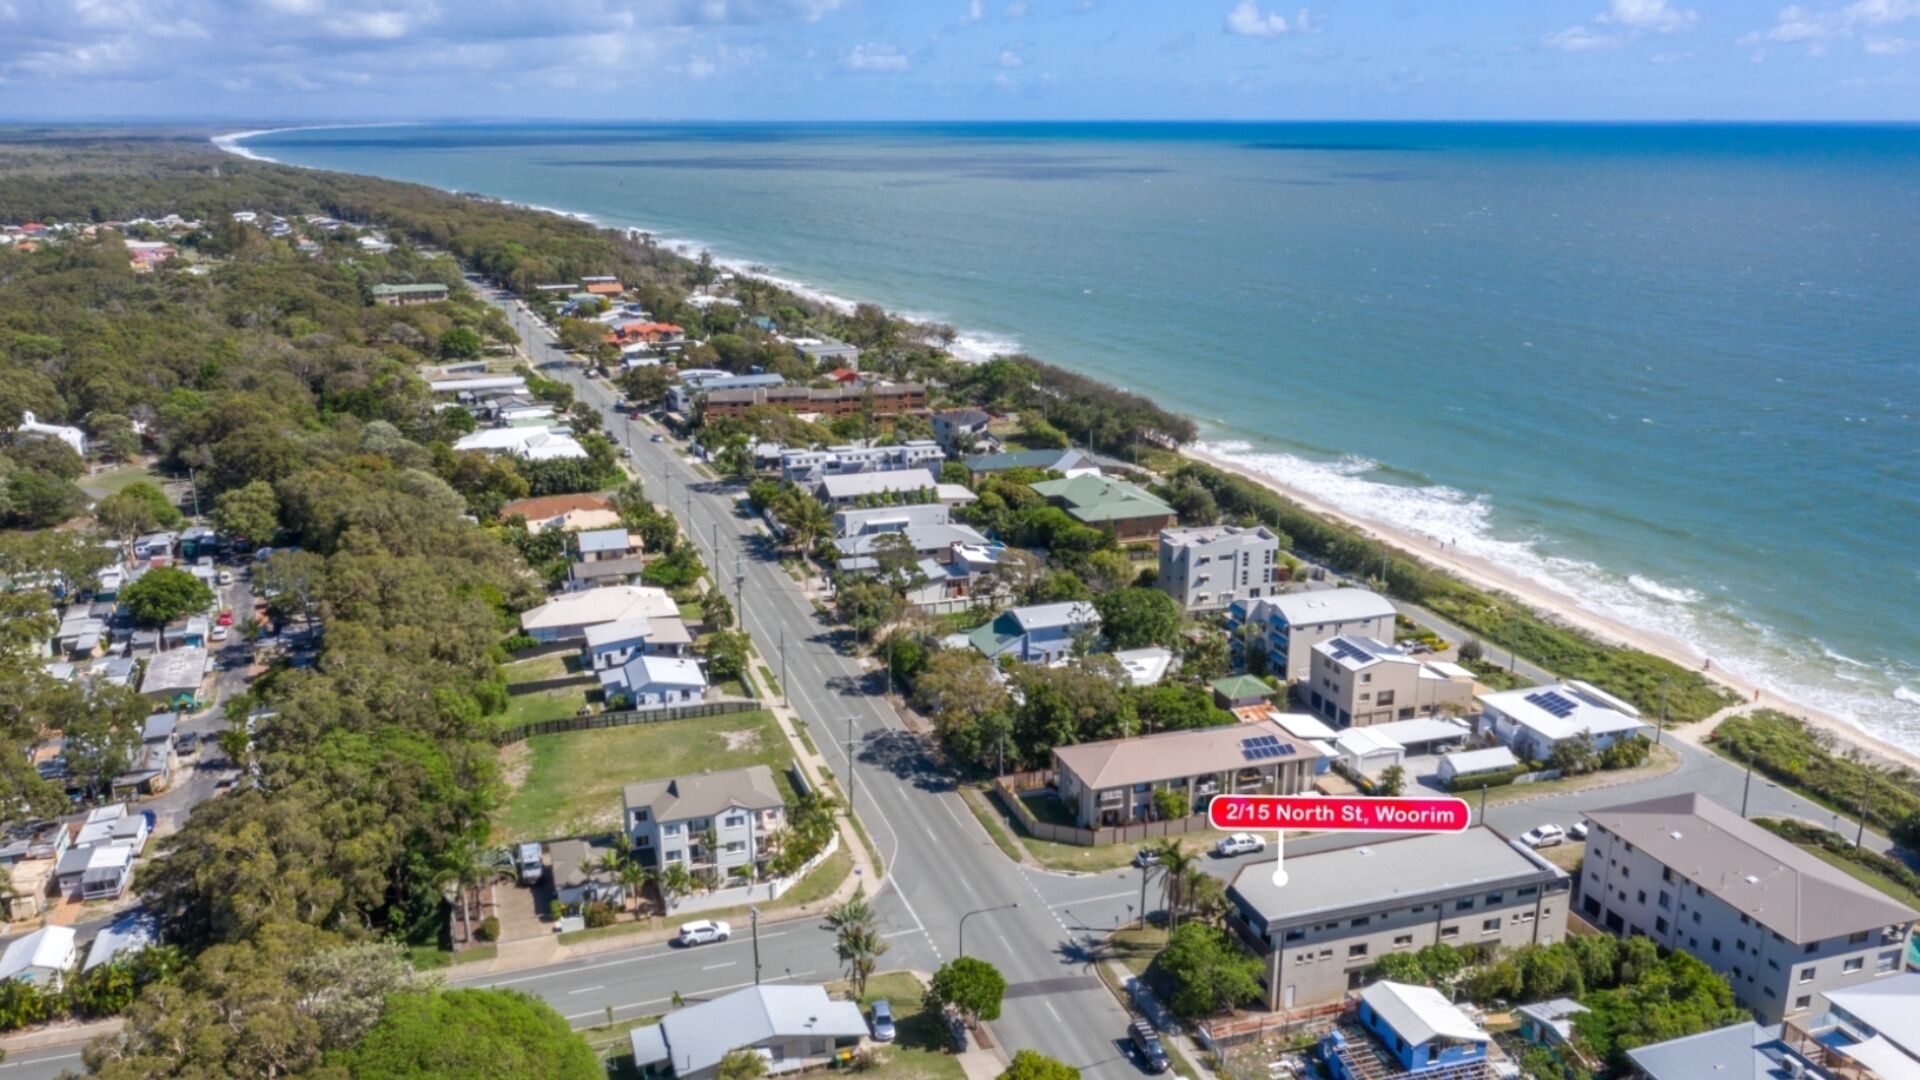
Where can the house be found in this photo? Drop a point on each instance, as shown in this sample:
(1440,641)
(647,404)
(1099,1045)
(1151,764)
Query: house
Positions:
(1549,1023)
(653,681)
(858,553)
(1425,735)
(671,821)
(151,770)
(880,519)
(605,572)
(1145,667)
(1871,1026)
(954,495)
(1355,680)
(408,295)
(1401,1030)
(1113,506)
(564,512)
(1068,463)
(1534,721)
(1745,1050)
(962,431)
(470,387)
(576,879)
(1780,924)
(29,425)
(791,1027)
(1367,752)
(828,351)
(42,958)
(1205,569)
(910,484)
(694,385)
(1467,764)
(174,677)
(611,645)
(1112,782)
(97,872)
(154,546)
(807,467)
(1040,634)
(878,399)
(1344,908)
(1288,626)
(1240,691)
(567,616)
(600,545)
(601,288)
(526,443)
(125,936)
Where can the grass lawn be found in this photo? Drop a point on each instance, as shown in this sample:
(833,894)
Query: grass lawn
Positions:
(431,957)
(981,803)
(538,669)
(573,779)
(732,688)
(919,1048)
(772,684)
(112,481)
(542,705)
(1864,875)
(1058,856)
(1136,948)
(691,611)
(814,887)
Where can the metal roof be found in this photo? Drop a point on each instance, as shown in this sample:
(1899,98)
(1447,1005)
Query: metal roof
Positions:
(705,794)
(697,1037)
(1144,759)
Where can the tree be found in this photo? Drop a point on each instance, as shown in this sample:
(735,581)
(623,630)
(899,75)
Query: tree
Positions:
(163,594)
(969,985)
(1575,756)
(1208,971)
(1172,865)
(645,385)
(484,1034)
(1392,781)
(250,513)
(135,509)
(859,947)
(855,910)
(466,870)
(968,706)
(716,611)
(1169,805)
(461,343)
(742,1064)
(726,654)
(867,605)
(1034,1065)
(1133,618)
(1178,707)
(1907,832)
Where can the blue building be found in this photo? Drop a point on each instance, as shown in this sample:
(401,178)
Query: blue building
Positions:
(1406,1031)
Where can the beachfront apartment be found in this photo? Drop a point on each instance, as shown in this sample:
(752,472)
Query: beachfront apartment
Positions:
(1783,926)
(1357,681)
(1534,721)
(808,467)
(879,519)
(1342,910)
(1289,625)
(1205,569)
(715,822)
(408,295)
(1112,782)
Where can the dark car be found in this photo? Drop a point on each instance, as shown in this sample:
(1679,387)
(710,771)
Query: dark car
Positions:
(1146,1043)
(188,743)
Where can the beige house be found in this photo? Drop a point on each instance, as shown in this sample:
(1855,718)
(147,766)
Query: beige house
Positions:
(1783,926)
(1112,782)
(712,823)
(1357,681)
(1342,910)
(789,1027)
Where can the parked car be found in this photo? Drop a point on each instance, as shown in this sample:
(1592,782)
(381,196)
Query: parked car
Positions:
(226,617)
(1239,843)
(703,932)
(883,1021)
(1578,831)
(1146,1043)
(1146,857)
(219,632)
(527,861)
(1544,836)
(187,745)
(657,437)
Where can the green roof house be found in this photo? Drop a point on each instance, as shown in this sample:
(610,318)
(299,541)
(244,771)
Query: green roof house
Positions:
(1237,691)
(1123,509)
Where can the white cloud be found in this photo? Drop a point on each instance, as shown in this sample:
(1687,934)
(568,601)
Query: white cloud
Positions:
(1891,46)
(1009,59)
(1817,30)
(1246,20)
(875,58)
(1653,15)
(1579,39)
(976,10)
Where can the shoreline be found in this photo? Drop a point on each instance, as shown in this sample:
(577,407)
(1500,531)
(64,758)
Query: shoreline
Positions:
(1484,573)
(1565,609)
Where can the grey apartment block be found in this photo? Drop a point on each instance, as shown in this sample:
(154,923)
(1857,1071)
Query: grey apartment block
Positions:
(1206,569)
(1781,925)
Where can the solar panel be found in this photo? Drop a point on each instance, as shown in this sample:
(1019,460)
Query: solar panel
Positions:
(1553,703)
(1347,650)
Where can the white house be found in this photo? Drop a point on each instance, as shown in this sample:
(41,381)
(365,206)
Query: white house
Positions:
(1473,762)
(611,645)
(790,1027)
(528,443)
(1534,721)
(669,820)
(568,616)
(653,681)
(1366,752)
(72,436)
(840,489)
(42,958)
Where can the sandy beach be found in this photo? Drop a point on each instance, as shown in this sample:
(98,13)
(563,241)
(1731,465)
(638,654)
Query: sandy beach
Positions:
(1565,609)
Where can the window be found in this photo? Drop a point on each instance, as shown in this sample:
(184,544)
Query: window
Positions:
(643,841)
(1853,965)
(1296,935)
(1326,954)
(1642,895)
(1528,890)
(1522,916)
(1490,926)
(1660,925)
(1385,698)
(1886,962)
(817,1046)
(1356,950)
(1666,874)
(1716,944)
(642,814)
(1802,1002)
(1463,904)
(1495,898)
(735,821)
(1363,920)
(1744,921)
(1806,975)
(1366,677)
(1857,939)
(675,855)
(1449,932)
(1402,941)
(1768,990)
(736,845)
(1666,901)
(671,828)
(1812,947)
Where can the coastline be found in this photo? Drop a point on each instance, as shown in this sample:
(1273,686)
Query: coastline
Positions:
(1565,609)
(1485,573)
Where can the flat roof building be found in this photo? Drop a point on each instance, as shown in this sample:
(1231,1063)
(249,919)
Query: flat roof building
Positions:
(1207,568)
(1534,721)
(1113,782)
(1290,624)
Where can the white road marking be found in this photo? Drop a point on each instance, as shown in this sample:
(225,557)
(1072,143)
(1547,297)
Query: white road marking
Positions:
(1095,899)
(717,967)
(586,990)
(37,1061)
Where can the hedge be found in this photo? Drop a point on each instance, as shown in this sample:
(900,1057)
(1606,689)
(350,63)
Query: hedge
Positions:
(1801,757)
(1493,778)
(1827,840)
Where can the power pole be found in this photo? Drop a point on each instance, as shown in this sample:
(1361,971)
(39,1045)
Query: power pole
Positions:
(753,914)
(783,661)
(1866,800)
(1748,788)
(1662,729)
(850,778)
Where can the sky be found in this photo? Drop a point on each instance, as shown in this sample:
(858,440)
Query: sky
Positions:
(285,61)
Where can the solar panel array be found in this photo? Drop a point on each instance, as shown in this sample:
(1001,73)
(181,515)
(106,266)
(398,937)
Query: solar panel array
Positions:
(1347,650)
(1553,703)
(1263,747)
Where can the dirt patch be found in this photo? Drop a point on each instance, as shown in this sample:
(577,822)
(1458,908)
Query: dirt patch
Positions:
(516,761)
(746,740)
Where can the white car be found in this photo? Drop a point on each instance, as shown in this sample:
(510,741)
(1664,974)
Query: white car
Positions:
(226,577)
(1544,836)
(219,633)
(703,932)
(1578,831)
(1239,843)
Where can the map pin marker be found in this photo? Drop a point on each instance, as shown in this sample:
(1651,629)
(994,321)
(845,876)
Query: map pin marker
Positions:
(1279,858)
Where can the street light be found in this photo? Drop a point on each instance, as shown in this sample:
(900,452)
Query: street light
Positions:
(753,916)
(850,776)
(979,911)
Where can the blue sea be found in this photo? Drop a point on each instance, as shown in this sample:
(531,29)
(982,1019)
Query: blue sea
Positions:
(1673,371)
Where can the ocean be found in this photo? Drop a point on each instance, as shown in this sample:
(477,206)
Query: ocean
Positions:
(1673,371)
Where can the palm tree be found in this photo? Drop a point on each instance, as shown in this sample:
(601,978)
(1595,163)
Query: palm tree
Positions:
(1176,862)
(852,912)
(673,880)
(1206,897)
(859,947)
(468,867)
(634,877)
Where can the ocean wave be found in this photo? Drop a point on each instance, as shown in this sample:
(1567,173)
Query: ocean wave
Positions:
(232,140)
(1873,696)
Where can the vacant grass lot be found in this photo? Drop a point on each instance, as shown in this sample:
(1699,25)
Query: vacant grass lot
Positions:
(919,1050)
(572,781)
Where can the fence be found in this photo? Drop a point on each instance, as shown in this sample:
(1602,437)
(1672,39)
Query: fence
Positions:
(622,718)
(763,891)
(1012,786)
(1220,1035)
(585,678)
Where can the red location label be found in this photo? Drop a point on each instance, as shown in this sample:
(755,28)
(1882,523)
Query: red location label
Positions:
(1241,813)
